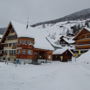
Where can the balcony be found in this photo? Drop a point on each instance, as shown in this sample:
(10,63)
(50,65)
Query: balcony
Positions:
(25,46)
(84,36)
(84,46)
(13,47)
(12,37)
(10,45)
(83,40)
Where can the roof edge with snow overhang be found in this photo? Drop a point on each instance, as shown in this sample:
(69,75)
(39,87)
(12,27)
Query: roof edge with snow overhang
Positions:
(86,28)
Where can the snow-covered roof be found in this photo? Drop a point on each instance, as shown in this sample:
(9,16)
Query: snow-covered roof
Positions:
(38,34)
(60,51)
(70,41)
(53,43)
(87,28)
(81,31)
(21,29)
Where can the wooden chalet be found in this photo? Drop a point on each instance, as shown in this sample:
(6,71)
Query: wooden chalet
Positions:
(62,55)
(25,44)
(82,39)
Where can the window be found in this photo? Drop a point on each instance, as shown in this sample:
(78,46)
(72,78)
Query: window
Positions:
(24,52)
(11,37)
(29,52)
(31,43)
(12,52)
(5,45)
(13,44)
(28,42)
(20,42)
(10,44)
(5,52)
(18,52)
(24,42)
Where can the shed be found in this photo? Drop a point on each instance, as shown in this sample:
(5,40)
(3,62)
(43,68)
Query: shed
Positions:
(62,55)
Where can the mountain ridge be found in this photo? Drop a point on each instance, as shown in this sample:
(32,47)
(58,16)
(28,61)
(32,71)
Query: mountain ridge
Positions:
(79,15)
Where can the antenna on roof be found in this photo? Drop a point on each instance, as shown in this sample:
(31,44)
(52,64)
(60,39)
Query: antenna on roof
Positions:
(27,23)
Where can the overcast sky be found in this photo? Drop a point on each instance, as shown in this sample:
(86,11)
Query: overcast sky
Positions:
(38,10)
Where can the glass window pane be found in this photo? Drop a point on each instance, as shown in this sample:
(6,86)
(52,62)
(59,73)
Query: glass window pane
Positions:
(30,52)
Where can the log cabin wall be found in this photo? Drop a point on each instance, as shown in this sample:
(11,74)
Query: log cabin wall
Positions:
(64,57)
(82,41)
(78,36)
(49,55)
(42,54)
(67,56)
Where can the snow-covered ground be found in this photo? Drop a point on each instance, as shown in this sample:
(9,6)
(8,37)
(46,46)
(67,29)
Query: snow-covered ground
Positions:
(84,58)
(50,76)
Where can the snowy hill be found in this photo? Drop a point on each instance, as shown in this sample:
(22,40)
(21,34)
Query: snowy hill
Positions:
(80,15)
(66,29)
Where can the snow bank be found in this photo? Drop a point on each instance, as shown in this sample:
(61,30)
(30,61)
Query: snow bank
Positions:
(84,58)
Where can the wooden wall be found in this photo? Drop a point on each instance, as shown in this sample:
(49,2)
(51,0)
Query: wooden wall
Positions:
(66,56)
(82,41)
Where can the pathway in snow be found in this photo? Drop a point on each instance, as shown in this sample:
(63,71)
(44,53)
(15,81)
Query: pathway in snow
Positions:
(54,76)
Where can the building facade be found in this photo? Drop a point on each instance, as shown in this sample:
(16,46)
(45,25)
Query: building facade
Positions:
(62,55)
(82,39)
(21,47)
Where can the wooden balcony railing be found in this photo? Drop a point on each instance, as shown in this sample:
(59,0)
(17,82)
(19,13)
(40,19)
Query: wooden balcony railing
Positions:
(11,37)
(84,36)
(25,46)
(13,47)
(86,46)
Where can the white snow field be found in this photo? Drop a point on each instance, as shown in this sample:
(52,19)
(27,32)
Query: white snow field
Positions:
(50,76)
(84,58)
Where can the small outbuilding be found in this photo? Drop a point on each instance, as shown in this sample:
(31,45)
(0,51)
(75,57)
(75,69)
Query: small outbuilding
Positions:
(62,55)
